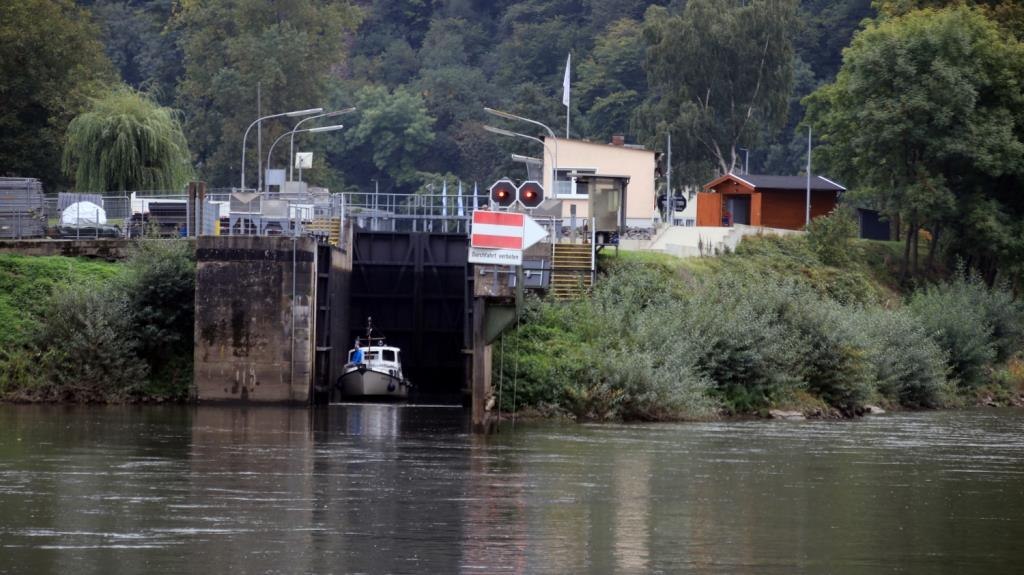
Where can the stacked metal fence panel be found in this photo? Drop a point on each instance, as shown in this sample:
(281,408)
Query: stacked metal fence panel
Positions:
(21,208)
(170,217)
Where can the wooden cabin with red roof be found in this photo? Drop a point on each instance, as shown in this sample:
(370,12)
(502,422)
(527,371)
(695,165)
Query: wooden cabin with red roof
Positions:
(765,201)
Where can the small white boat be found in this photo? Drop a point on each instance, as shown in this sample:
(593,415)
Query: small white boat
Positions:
(374,369)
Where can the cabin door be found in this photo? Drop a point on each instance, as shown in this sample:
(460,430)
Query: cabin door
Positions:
(738,208)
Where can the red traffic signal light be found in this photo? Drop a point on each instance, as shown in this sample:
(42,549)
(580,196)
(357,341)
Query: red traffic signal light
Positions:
(503,193)
(531,194)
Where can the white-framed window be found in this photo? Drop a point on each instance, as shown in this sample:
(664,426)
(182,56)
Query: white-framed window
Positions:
(568,187)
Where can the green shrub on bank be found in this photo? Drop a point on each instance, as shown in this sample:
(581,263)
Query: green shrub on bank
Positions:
(88,348)
(160,287)
(957,316)
(601,357)
(125,335)
(908,367)
(743,349)
(661,342)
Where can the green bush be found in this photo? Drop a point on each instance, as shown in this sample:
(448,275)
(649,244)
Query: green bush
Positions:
(27,282)
(1003,312)
(829,236)
(657,344)
(907,366)
(87,347)
(601,357)
(125,333)
(832,359)
(956,316)
(160,286)
(21,375)
(741,348)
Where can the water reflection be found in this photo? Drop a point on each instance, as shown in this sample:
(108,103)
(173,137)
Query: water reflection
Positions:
(399,489)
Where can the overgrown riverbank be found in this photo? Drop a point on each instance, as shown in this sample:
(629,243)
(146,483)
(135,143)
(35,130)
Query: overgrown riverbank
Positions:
(85,331)
(782,323)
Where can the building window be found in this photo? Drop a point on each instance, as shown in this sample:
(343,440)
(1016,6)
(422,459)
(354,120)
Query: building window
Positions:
(567,186)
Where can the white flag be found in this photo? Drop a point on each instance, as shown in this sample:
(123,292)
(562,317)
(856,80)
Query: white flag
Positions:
(565,82)
(444,198)
(462,211)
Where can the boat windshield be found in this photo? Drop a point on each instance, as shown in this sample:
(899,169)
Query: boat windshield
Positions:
(388,354)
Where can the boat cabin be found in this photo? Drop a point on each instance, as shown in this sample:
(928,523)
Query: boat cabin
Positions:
(378,354)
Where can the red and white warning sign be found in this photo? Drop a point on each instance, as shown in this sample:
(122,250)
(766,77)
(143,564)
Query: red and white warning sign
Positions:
(497,230)
(501,237)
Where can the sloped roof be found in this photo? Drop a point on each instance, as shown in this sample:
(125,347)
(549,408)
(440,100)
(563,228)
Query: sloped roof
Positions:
(766,182)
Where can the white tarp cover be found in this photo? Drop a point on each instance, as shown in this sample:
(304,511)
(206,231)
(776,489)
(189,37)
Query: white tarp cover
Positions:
(83,214)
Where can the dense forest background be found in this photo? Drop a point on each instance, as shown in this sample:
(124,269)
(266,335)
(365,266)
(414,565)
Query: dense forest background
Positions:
(421,72)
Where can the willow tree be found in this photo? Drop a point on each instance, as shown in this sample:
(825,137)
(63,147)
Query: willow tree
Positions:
(125,141)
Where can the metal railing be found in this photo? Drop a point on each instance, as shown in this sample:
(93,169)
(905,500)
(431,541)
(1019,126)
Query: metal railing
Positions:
(432,212)
(232,211)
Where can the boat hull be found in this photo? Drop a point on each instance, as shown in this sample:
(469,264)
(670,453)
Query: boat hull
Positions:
(370,383)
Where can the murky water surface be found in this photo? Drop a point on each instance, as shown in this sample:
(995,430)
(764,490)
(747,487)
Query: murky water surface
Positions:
(392,489)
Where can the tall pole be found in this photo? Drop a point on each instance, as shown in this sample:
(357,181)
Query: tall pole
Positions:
(670,199)
(259,136)
(807,217)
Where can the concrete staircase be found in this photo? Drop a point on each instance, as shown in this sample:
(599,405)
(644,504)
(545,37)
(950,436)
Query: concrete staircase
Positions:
(571,270)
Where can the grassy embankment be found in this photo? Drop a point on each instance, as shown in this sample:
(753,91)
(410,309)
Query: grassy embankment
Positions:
(791,323)
(73,329)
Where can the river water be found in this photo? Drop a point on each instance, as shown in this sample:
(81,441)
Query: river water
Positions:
(400,489)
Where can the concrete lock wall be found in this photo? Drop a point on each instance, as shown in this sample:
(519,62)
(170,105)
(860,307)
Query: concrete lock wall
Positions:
(255,299)
(106,249)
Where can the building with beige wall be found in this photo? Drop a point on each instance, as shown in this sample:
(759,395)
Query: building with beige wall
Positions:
(581,158)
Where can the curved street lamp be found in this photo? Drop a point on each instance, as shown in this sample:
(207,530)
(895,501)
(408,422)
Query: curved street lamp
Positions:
(511,134)
(318,130)
(554,139)
(292,114)
(291,145)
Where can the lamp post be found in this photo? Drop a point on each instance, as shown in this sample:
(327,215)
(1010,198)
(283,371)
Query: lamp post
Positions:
(292,114)
(291,145)
(509,116)
(319,130)
(511,134)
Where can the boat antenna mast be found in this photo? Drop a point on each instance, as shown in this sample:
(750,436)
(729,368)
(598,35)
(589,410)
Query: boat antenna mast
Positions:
(369,333)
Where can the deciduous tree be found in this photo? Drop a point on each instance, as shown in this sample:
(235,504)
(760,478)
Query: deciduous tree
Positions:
(719,72)
(927,114)
(51,63)
(290,48)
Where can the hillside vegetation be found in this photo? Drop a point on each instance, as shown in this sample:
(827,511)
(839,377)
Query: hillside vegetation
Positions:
(770,326)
